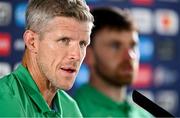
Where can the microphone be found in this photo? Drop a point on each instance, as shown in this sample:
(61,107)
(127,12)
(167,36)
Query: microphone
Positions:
(150,106)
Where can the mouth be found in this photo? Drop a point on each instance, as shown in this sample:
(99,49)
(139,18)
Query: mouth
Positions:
(69,70)
(127,72)
(127,69)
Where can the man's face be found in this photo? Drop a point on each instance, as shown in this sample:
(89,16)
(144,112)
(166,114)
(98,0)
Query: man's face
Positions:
(116,56)
(61,50)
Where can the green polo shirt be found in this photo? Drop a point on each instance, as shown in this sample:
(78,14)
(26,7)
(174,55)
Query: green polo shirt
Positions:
(93,103)
(20,97)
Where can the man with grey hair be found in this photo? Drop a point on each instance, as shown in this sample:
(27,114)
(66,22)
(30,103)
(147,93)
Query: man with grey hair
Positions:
(56,37)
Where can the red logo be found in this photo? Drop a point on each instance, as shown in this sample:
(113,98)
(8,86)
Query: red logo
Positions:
(144,78)
(167,22)
(5,44)
(142,2)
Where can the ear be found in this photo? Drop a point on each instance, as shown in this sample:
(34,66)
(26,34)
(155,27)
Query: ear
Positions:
(31,40)
(89,59)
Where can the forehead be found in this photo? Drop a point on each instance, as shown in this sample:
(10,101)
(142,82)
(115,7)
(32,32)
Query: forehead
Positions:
(109,35)
(68,23)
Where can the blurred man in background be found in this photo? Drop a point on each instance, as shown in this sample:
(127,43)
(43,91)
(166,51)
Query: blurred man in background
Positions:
(57,34)
(113,59)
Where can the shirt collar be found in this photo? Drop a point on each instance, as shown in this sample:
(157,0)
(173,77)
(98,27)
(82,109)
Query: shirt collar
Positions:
(32,89)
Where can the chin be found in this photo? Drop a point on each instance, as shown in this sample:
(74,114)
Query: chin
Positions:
(66,87)
(65,83)
(126,81)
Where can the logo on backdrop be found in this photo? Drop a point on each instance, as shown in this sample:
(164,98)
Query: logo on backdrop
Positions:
(5,44)
(5,13)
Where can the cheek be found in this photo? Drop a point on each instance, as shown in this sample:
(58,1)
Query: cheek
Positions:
(107,62)
(136,66)
(112,65)
(83,54)
(47,53)
(111,61)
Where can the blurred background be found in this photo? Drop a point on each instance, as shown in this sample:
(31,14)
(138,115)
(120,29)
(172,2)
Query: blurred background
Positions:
(158,21)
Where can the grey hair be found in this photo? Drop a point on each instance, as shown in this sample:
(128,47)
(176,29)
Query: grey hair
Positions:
(39,12)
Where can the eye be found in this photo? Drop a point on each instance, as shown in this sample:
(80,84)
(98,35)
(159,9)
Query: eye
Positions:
(83,44)
(115,45)
(134,45)
(64,40)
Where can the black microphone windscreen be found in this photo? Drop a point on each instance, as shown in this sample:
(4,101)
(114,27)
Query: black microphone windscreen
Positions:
(150,106)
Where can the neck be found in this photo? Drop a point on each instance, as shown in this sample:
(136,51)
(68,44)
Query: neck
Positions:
(117,94)
(45,87)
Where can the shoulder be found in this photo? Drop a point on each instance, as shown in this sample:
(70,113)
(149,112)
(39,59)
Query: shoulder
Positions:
(8,100)
(139,112)
(83,95)
(65,97)
(69,106)
(6,78)
(10,107)
(6,83)
(82,92)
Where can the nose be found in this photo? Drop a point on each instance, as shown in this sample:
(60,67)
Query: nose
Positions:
(129,54)
(75,53)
